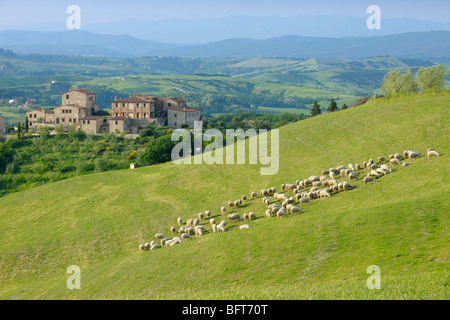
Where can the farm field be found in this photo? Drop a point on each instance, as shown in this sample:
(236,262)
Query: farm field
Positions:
(400,223)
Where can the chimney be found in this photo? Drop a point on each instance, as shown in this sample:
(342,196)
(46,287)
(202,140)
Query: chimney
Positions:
(167,96)
(115,97)
(70,89)
(130,95)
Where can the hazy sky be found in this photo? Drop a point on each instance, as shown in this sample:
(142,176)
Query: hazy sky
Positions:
(22,12)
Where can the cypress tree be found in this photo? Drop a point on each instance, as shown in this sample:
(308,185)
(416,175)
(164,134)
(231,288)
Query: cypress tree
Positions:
(315,111)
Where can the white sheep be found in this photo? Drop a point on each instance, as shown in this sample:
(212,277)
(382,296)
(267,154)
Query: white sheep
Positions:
(395,161)
(173,230)
(252,216)
(368,179)
(223,209)
(268,213)
(235,216)
(180,221)
(432,153)
(351,167)
(196,222)
(223,223)
(246,217)
(244,226)
(413,155)
(304,200)
(212,221)
(186,236)
(386,168)
(207,213)
(357,167)
(254,195)
(141,247)
(214,228)
(324,193)
(381,159)
(160,236)
(405,164)
(155,246)
(296,209)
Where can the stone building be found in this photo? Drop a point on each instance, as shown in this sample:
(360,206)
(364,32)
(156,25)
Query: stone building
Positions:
(178,116)
(94,124)
(40,116)
(2,125)
(144,110)
(75,105)
(81,97)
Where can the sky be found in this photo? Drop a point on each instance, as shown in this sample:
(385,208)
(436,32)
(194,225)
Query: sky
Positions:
(14,13)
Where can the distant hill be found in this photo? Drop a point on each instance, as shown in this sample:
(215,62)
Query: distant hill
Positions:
(78,42)
(408,45)
(435,44)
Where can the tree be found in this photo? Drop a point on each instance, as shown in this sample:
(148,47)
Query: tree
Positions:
(392,83)
(432,77)
(410,84)
(315,111)
(344,106)
(333,106)
(19,130)
(158,152)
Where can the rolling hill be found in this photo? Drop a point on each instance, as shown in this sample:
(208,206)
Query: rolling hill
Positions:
(400,223)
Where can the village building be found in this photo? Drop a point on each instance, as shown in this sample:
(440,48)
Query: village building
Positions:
(2,125)
(178,116)
(128,115)
(38,117)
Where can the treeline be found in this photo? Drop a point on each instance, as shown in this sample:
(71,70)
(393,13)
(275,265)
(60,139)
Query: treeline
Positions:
(246,101)
(396,83)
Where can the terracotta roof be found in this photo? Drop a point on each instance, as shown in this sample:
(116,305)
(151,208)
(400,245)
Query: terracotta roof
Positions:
(81,91)
(74,105)
(41,110)
(185,109)
(133,99)
(118,118)
(175,99)
(92,117)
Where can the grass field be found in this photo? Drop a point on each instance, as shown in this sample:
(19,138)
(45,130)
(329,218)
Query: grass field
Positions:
(400,223)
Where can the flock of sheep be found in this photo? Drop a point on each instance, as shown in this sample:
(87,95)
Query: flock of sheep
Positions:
(303,191)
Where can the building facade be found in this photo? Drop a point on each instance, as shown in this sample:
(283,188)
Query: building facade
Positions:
(75,105)
(177,116)
(40,116)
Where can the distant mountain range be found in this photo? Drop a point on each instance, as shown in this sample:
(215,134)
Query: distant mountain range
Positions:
(433,44)
(204,30)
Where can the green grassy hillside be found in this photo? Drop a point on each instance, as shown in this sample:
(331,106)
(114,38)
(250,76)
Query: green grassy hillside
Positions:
(400,223)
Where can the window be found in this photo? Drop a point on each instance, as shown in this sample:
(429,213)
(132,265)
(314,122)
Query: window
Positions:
(67,97)
(63,120)
(70,120)
(116,122)
(175,115)
(144,105)
(31,116)
(89,122)
(70,111)
(84,121)
(62,110)
(35,115)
